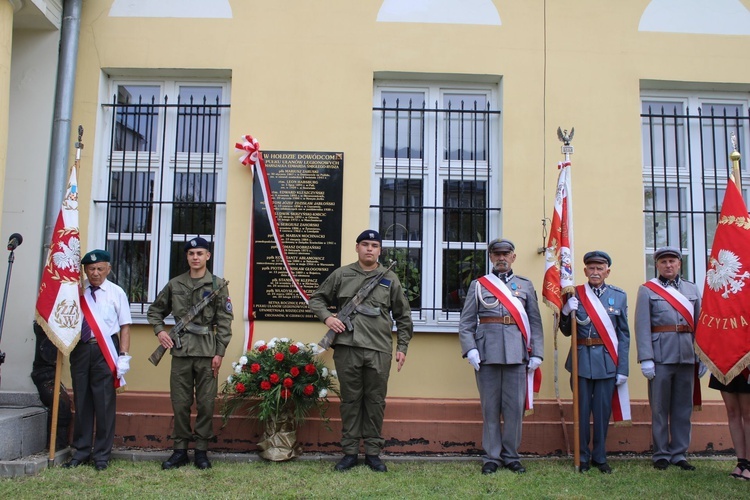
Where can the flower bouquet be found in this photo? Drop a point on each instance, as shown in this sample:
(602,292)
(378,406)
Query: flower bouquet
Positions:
(279,383)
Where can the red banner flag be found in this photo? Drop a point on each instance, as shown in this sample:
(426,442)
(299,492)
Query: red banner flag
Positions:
(558,272)
(722,333)
(58,306)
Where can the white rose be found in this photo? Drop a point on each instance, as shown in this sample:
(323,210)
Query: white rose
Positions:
(259,343)
(323,393)
(334,374)
(301,346)
(243,360)
(238,369)
(324,372)
(229,379)
(274,340)
(283,339)
(234,364)
(271,344)
(315,349)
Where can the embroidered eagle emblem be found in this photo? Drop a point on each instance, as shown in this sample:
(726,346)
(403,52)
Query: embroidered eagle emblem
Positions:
(724,273)
(69,255)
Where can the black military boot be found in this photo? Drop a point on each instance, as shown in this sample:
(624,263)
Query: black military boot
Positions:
(201,460)
(178,459)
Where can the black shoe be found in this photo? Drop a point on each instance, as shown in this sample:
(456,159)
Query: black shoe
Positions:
(584,467)
(489,468)
(178,459)
(346,463)
(685,465)
(201,460)
(603,467)
(374,462)
(661,464)
(101,465)
(74,462)
(516,467)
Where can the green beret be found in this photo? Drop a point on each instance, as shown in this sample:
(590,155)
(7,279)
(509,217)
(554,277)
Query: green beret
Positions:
(95,256)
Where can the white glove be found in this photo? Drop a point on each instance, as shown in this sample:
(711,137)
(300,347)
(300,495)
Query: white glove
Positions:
(621,379)
(473,357)
(648,368)
(570,306)
(123,365)
(534,363)
(702,369)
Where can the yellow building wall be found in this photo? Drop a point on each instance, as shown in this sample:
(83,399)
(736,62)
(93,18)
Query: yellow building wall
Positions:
(302,79)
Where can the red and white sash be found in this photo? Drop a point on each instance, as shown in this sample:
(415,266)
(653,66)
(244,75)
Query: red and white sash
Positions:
(104,341)
(675,299)
(683,306)
(606,330)
(499,289)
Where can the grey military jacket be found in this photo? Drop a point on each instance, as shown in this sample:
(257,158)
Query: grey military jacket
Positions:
(594,362)
(664,347)
(498,343)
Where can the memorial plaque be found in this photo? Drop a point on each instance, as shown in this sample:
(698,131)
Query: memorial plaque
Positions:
(307,189)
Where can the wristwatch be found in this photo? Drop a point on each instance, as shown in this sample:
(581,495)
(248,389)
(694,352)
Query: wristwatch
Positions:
(123,353)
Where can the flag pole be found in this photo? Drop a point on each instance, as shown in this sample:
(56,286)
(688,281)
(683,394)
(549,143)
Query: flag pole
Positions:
(735,157)
(567,150)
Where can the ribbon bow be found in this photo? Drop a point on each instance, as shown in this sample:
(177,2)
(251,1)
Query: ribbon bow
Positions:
(252,150)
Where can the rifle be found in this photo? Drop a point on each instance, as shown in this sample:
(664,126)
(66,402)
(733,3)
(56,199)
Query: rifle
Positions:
(176,333)
(347,312)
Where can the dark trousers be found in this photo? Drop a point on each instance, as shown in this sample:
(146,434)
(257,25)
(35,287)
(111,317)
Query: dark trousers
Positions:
(192,376)
(363,380)
(94,397)
(594,397)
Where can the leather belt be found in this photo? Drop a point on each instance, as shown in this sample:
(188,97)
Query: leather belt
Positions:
(588,342)
(671,328)
(505,320)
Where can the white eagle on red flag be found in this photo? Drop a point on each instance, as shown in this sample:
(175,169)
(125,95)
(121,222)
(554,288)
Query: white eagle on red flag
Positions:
(722,332)
(58,306)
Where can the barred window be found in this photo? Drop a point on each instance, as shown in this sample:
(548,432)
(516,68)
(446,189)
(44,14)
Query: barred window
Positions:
(686,147)
(436,190)
(165,180)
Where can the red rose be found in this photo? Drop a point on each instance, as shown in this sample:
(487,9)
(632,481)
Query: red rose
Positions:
(288,382)
(294,371)
(285,393)
(254,368)
(274,378)
(279,356)
(262,348)
(310,369)
(265,385)
(293,349)
(308,390)
(240,387)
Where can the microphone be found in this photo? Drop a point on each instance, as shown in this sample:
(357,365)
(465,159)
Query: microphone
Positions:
(14,241)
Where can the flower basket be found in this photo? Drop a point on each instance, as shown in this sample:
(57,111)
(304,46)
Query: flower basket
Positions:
(279,383)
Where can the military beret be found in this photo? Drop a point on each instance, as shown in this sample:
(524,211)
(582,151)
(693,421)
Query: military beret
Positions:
(667,252)
(370,235)
(95,256)
(597,256)
(196,242)
(501,245)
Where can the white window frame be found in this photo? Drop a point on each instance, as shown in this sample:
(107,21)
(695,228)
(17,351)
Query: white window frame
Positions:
(434,172)
(98,231)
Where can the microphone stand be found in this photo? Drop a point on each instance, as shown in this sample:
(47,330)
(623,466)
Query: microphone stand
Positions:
(11,259)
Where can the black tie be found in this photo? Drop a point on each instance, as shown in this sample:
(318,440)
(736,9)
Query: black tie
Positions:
(85,328)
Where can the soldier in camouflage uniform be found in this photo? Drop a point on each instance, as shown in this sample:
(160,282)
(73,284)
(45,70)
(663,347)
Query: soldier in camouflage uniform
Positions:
(363,355)
(195,366)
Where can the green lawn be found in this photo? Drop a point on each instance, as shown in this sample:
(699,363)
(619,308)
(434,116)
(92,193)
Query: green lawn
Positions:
(546,478)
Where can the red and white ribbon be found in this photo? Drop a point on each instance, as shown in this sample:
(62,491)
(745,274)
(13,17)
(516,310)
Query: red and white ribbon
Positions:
(254,157)
(105,342)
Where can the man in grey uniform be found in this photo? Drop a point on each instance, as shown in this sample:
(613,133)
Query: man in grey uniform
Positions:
(597,371)
(665,313)
(500,331)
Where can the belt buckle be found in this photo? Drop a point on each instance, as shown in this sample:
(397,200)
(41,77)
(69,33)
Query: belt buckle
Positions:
(507,320)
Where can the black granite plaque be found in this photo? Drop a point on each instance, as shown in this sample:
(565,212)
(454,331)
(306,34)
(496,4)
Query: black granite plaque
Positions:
(307,189)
